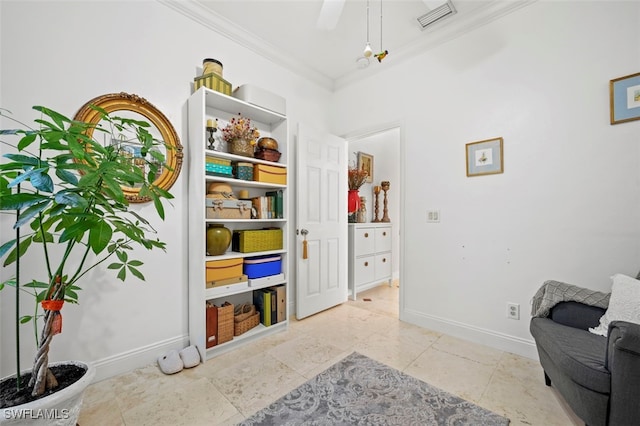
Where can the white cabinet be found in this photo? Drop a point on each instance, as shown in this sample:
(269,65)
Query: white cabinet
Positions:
(203,105)
(369,256)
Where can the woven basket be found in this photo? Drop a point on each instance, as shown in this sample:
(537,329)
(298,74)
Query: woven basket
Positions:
(241,147)
(225,323)
(252,240)
(247,324)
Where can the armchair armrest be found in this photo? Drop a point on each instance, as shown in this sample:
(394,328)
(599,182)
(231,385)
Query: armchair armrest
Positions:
(623,361)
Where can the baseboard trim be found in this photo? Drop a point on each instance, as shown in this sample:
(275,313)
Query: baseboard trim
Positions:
(127,361)
(483,336)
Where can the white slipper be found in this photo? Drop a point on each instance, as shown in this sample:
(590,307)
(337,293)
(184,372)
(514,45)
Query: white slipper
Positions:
(170,363)
(190,356)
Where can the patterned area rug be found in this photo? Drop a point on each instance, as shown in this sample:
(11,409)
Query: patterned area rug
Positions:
(361,391)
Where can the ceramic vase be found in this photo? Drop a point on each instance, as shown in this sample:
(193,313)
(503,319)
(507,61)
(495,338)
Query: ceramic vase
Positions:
(353,201)
(218,239)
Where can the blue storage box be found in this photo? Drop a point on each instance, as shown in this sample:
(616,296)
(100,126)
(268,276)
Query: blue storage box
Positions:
(262,266)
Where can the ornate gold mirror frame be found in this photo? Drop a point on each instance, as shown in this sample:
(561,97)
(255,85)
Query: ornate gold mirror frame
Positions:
(114,102)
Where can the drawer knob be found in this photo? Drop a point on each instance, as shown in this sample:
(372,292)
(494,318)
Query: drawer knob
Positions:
(384,259)
(366,263)
(384,234)
(366,235)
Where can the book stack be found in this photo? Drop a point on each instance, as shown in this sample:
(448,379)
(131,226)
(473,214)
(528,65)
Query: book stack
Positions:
(269,206)
(271,302)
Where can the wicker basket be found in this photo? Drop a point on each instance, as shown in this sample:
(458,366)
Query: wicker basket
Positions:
(225,323)
(242,147)
(245,319)
(251,240)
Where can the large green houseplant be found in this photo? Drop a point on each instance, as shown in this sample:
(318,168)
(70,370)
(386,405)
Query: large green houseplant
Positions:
(71,216)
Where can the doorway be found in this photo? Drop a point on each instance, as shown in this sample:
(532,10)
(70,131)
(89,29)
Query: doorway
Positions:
(385,146)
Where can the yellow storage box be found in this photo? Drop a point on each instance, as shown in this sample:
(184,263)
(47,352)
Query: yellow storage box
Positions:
(224,269)
(270,174)
(214,82)
(251,240)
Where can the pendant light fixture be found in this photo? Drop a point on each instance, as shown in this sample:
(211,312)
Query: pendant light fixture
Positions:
(367,49)
(383,53)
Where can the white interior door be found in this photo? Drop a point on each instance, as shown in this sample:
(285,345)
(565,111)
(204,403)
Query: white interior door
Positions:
(322,162)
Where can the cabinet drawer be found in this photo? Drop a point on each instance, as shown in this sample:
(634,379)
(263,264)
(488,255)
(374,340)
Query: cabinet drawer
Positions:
(365,241)
(383,239)
(383,265)
(364,269)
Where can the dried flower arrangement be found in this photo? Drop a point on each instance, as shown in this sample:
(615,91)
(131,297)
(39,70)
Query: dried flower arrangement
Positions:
(357,177)
(240,128)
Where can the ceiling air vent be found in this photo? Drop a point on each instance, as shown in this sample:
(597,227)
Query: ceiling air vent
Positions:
(436,14)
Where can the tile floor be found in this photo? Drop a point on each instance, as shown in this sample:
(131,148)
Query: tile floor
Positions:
(228,388)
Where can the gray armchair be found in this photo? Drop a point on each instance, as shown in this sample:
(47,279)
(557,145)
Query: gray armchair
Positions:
(599,377)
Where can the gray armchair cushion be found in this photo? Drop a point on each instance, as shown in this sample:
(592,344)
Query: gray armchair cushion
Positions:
(578,315)
(582,359)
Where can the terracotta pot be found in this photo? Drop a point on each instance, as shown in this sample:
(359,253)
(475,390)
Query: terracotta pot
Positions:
(218,239)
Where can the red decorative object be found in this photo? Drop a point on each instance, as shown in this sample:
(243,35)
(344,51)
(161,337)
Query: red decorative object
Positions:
(353,201)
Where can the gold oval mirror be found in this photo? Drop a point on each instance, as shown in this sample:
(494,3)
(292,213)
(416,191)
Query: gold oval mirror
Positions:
(136,107)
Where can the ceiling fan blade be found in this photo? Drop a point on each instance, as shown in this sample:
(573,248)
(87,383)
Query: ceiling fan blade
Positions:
(330,14)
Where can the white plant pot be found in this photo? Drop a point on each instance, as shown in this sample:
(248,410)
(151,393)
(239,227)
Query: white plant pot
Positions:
(58,409)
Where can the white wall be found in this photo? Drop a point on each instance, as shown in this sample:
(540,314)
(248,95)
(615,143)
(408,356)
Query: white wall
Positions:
(567,205)
(384,146)
(62,54)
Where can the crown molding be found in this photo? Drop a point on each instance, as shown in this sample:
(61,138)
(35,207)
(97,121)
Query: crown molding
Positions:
(195,11)
(441,32)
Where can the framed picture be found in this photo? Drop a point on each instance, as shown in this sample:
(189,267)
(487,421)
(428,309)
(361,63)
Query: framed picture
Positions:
(485,157)
(365,161)
(624,98)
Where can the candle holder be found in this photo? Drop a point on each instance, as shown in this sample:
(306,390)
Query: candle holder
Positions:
(376,191)
(212,127)
(385,187)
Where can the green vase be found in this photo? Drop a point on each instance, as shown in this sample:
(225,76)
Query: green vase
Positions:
(218,239)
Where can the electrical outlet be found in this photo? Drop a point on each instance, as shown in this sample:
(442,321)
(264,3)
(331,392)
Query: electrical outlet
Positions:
(513,311)
(433,216)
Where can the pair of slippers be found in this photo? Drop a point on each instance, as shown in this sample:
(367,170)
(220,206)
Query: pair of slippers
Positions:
(173,361)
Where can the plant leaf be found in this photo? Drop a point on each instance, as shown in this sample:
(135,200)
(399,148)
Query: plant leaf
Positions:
(6,247)
(67,176)
(27,140)
(99,237)
(115,266)
(42,181)
(20,201)
(23,159)
(71,199)
(122,275)
(135,272)
(30,212)
(22,248)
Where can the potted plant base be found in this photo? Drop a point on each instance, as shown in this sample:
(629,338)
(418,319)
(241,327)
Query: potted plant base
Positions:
(60,407)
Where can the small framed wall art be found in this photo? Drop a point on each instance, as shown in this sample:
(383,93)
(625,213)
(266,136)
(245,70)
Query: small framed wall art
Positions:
(365,162)
(624,98)
(485,157)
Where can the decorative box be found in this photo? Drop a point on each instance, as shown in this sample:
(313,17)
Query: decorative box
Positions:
(217,160)
(262,266)
(262,98)
(270,174)
(227,281)
(214,82)
(225,323)
(223,269)
(250,240)
(268,154)
(243,171)
(213,168)
(220,208)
